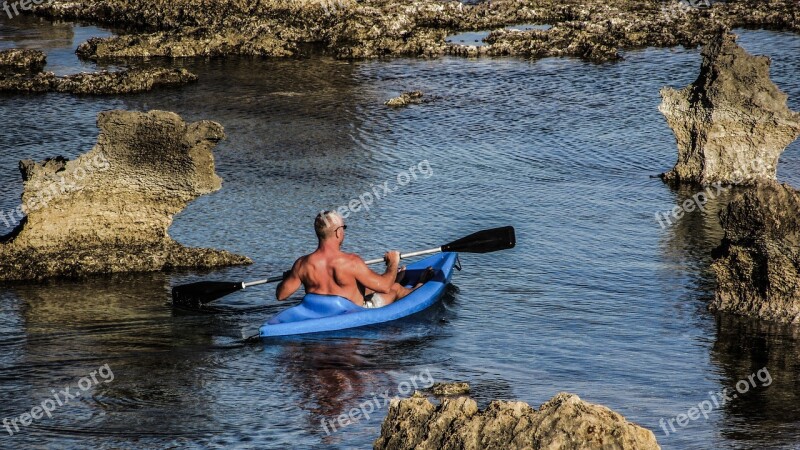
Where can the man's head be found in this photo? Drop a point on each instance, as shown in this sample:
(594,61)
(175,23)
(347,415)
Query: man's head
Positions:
(329,225)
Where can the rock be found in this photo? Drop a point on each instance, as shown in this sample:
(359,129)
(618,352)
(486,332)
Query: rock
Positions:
(732,123)
(123,82)
(23,60)
(565,422)
(757,265)
(249,41)
(97,83)
(405,99)
(593,29)
(109,210)
(449,389)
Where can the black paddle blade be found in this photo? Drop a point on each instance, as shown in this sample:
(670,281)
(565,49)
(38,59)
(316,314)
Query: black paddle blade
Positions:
(202,292)
(484,241)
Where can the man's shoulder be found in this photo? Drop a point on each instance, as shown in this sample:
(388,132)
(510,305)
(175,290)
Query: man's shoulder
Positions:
(352,257)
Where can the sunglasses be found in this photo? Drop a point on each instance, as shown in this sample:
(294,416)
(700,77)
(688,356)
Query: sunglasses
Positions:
(344,227)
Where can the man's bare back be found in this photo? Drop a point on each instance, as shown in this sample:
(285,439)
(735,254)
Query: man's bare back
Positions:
(330,271)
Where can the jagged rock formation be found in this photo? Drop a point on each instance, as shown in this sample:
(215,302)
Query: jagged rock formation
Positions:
(732,123)
(109,210)
(565,423)
(97,83)
(591,29)
(758,262)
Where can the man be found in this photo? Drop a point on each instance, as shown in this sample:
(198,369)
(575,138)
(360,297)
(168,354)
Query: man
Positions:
(330,271)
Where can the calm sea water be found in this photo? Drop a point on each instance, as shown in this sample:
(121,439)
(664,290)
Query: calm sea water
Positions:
(597,299)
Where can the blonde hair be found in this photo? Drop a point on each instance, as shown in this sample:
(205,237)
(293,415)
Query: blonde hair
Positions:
(324,223)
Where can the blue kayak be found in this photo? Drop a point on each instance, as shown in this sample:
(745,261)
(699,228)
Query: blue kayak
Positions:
(318,313)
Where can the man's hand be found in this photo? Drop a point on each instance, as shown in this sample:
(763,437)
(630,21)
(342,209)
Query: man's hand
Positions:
(401,274)
(392,257)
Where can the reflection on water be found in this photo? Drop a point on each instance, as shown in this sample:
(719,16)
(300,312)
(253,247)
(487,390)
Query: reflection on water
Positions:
(61,39)
(334,376)
(755,417)
(743,347)
(597,299)
(476,38)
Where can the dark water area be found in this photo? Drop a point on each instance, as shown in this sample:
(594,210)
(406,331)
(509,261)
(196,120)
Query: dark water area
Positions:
(597,298)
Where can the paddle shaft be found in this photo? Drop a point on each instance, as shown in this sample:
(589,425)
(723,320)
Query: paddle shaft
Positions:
(370,262)
(407,255)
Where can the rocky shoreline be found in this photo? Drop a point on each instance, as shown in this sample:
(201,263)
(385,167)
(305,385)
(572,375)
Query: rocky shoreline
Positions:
(109,210)
(595,30)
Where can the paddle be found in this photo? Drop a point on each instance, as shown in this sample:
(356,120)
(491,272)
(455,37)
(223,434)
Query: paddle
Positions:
(484,241)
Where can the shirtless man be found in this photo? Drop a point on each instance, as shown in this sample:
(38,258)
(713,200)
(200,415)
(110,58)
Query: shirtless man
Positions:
(330,271)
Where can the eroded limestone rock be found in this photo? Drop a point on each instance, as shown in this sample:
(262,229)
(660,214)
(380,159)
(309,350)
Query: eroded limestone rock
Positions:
(110,209)
(449,389)
(565,423)
(758,262)
(732,124)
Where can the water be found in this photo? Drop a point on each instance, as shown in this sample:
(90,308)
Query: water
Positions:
(476,37)
(597,299)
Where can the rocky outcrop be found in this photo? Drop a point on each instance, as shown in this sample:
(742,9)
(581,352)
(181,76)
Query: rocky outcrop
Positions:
(109,210)
(592,29)
(758,262)
(97,83)
(21,60)
(732,123)
(565,422)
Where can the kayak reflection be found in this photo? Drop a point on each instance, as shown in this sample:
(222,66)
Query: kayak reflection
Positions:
(333,375)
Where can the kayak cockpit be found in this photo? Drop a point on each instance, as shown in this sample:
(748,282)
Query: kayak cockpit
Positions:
(315,306)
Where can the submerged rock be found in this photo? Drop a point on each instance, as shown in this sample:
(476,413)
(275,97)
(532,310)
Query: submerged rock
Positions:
(732,123)
(109,210)
(123,82)
(757,264)
(592,29)
(405,99)
(565,422)
(449,389)
(97,83)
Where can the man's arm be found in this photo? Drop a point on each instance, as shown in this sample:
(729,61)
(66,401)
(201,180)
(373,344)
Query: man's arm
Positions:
(371,280)
(290,284)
